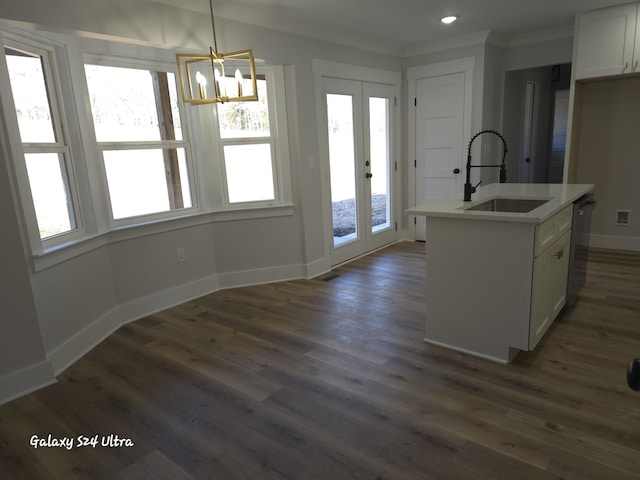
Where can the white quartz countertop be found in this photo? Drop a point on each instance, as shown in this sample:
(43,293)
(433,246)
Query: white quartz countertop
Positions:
(559,195)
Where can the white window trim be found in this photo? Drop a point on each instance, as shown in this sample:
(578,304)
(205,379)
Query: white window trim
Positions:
(279,141)
(100,147)
(63,121)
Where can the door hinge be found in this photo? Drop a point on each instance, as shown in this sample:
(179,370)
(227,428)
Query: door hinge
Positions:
(396,226)
(395,101)
(415,164)
(415,221)
(395,166)
(415,101)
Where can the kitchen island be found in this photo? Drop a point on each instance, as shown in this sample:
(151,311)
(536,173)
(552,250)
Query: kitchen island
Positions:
(496,280)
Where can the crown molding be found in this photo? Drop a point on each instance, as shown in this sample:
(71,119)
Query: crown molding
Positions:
(460,41)
(510,41)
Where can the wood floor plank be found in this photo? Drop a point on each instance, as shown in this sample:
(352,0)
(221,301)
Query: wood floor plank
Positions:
(330,378)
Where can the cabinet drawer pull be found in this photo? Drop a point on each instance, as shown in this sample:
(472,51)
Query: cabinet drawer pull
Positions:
(626,65)
(635,65)
(560,254)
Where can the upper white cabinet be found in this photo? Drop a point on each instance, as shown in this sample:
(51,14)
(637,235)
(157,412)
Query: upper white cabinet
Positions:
(607,43)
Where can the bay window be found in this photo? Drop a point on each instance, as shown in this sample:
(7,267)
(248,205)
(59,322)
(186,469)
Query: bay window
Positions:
(99,140)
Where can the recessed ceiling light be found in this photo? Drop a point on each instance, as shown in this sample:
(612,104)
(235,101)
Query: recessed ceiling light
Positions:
(449,19)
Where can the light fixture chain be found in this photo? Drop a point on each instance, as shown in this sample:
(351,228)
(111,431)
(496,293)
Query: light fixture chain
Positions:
(213,27)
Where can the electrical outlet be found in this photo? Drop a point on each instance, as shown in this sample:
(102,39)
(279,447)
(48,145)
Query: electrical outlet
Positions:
(181,255)
(623,217)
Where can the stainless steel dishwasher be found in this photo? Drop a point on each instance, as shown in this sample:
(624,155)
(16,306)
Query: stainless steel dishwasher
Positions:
(582,209)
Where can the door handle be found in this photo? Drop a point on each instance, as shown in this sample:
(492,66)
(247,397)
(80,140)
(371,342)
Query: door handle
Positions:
(368,175)
(560,254)
(456,171)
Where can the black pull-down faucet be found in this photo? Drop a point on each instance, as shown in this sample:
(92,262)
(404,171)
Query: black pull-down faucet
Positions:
(468,188)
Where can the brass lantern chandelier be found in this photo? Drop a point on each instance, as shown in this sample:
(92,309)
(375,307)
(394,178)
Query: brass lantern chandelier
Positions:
(217,77)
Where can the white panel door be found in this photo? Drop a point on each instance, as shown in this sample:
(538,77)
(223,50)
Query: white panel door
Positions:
(439,140)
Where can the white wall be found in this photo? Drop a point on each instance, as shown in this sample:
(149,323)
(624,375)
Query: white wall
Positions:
(607,156)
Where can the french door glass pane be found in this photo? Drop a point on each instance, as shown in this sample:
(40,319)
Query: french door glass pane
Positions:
(30,97)
(50,192)
(249,170)
(138,183)
(379,156)
(343,167)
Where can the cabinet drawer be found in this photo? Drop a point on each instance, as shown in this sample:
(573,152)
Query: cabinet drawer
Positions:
(551,230)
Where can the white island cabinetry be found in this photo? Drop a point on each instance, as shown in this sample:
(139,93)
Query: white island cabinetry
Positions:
(495,281)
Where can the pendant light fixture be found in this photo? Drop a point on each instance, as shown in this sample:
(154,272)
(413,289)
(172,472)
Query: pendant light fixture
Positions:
(217,77)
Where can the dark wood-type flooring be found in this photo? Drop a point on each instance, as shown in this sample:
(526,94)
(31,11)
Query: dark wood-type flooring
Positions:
(330,379)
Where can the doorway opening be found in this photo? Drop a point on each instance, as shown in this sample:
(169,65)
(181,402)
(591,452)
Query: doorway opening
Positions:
(535,114)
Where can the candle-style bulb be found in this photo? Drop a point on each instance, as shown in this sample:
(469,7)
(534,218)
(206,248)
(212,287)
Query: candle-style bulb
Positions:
(202,83)
(218,77)
(239,80)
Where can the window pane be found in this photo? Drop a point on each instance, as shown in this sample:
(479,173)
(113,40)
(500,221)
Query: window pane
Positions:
(30,96)
(380,152)
(175,112)
(342,164)
(123,104)
(50,192)
(249,172)
(138,184)
(245,119)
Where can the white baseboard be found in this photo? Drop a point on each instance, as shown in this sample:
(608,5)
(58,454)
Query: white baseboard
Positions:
(406,235)
(16,384)
(615,242)
(141,307)
(509,355)
(317,268)
(27,380)
(245,278)
(85,340)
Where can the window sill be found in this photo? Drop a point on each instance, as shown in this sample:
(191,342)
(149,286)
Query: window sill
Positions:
(66,251)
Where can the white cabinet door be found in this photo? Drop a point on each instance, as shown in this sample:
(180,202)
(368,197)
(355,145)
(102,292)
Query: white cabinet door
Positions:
(560,275)
(606,40)
(549,291)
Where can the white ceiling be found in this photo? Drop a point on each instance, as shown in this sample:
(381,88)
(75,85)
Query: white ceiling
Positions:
(399,26)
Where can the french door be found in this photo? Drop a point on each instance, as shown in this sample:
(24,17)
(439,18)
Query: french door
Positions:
(359,144)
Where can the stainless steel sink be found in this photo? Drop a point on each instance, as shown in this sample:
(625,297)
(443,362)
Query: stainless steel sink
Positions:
(512,205)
